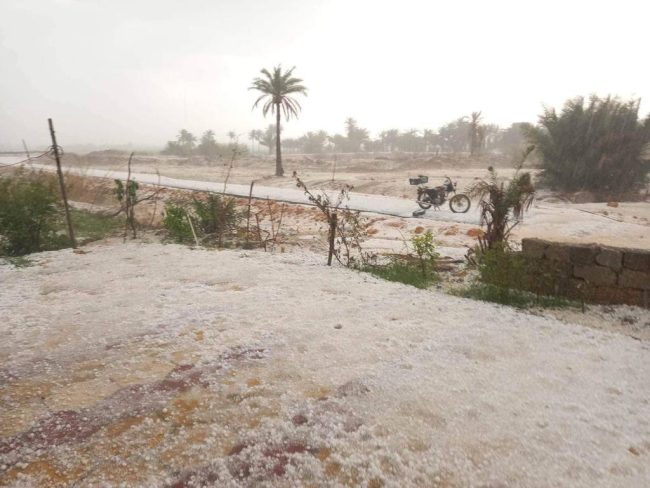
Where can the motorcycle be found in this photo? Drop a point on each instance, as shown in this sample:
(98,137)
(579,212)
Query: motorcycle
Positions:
(437,196)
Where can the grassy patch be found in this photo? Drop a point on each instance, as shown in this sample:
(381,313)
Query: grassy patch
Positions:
(17,261)
(93,226)
(402,272)
(513,298)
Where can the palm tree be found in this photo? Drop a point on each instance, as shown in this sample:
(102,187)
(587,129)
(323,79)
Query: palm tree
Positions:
(476,133)
(186,141)
(502,206)
(252,136)
(276,89)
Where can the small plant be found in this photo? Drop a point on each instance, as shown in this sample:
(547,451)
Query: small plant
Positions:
(216,216)
(425,251)
(127,194)
(176,222)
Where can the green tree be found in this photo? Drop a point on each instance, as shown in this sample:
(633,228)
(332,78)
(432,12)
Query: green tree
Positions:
(252,136)
(313,142)
(276,89)
(186,142)
(208,146)
(476,133)
(268,137)
(597,145)
(453,136)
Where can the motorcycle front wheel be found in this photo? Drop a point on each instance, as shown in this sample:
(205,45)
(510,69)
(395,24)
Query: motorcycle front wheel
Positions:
(459,203)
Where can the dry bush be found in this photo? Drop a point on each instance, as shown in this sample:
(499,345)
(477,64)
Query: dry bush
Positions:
(347,229)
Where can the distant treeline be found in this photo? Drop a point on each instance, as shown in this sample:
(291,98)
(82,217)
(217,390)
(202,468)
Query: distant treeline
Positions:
(465,134)
(186,144)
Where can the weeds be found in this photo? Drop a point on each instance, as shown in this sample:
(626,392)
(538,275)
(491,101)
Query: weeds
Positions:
(17,261)
(210,220)
(91,226)
(401,271)
(416,270)
(512,297)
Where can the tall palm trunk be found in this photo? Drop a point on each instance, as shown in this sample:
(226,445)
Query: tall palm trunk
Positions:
(278,145)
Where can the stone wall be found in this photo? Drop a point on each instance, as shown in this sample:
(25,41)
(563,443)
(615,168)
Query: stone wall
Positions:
(591,272)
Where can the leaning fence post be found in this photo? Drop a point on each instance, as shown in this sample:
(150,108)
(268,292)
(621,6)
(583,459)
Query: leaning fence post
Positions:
(55,148)
(332,237)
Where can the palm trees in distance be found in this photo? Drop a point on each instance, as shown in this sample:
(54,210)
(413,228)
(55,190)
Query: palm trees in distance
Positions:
(276,88)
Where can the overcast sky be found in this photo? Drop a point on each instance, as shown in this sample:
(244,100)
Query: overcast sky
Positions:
(116,71)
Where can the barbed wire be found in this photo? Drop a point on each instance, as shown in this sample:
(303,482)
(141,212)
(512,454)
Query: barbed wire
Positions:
(49,153)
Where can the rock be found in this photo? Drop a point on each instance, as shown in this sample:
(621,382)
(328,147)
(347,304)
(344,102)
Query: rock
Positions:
(634,279)
(534,248)
(595,275)
(611,258)
(557,252)
(299,419)
(583,253)
(637,259)
(612,204)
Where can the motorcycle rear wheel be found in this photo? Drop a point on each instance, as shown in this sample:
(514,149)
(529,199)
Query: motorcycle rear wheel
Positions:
(424,201)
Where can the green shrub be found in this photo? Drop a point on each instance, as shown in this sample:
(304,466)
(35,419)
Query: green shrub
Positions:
(509,278)
(29,213)
(214,218)
(217,217)
(594,145)
(502,268)
(176,223)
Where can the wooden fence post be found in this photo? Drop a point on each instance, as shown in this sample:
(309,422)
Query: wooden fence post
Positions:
(55,148)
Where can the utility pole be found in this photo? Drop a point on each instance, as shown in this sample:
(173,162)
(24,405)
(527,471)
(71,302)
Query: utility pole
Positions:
(55,148)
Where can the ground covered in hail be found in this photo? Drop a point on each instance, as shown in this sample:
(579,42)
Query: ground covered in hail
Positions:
(157,365)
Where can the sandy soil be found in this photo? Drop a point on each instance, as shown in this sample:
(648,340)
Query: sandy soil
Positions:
(157,365)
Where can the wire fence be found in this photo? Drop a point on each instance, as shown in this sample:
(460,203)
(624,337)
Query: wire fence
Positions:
(49,153)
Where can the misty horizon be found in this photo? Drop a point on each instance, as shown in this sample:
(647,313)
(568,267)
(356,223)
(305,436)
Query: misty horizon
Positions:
(123,75)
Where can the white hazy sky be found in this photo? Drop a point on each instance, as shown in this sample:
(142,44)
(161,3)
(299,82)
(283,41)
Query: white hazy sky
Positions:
(115,71)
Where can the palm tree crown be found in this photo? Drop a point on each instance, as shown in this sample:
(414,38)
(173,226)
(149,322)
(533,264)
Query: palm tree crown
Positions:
(276,89)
